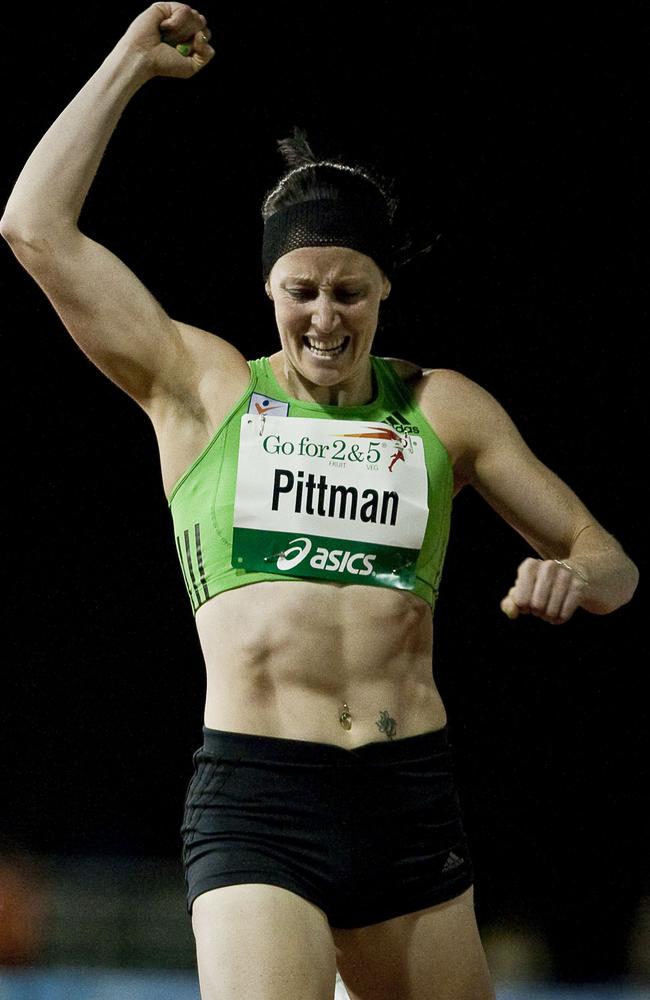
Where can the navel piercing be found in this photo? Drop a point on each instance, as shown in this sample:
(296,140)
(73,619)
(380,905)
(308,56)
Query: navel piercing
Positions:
(345,718)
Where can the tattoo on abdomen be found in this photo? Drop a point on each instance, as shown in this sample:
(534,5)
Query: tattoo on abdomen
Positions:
(386,725)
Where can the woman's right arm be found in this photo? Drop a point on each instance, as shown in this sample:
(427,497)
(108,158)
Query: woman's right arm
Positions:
(113,318)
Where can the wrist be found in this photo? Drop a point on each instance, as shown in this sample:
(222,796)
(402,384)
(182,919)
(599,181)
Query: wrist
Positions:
(573,569)
(130,66)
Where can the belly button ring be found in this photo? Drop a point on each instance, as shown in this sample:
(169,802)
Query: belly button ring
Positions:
(345,718)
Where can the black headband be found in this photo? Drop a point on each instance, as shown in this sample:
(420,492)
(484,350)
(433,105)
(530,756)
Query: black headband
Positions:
(326,222)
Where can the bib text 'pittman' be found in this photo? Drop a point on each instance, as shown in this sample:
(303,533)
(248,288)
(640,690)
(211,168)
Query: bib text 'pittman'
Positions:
(374,506)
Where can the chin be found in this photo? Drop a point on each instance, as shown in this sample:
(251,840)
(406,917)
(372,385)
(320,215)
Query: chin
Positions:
(324,365)
(325,371)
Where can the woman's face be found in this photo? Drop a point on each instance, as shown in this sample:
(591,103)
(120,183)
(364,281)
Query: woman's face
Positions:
(326,307)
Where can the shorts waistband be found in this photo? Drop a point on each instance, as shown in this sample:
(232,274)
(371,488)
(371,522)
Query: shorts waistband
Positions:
(275,748)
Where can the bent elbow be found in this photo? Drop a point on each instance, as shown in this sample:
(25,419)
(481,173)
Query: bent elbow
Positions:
(27,234)
(28,245)
(633,582)
(12,225)
(8,229)
(620,595)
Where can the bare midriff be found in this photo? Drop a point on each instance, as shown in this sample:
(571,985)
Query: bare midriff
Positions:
(346,665)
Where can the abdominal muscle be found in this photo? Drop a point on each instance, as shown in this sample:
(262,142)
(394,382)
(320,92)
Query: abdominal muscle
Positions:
(289,658)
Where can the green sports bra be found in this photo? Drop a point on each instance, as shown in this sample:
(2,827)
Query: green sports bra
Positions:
(292,490)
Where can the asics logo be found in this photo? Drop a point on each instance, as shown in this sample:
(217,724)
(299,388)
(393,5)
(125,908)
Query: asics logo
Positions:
(333,560)
(294,554)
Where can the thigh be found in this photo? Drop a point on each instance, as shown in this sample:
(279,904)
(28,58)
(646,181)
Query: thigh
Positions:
(261,942)
(434,954)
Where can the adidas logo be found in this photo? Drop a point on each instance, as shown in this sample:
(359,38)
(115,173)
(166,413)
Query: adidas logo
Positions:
(453,861)
(399,422)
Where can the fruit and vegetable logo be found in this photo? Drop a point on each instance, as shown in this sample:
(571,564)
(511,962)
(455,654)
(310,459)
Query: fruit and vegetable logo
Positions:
(384,433)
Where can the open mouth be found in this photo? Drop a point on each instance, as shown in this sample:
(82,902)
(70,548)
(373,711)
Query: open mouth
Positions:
(326,348)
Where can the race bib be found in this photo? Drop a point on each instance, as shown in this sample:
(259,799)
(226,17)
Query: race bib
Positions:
(340,500)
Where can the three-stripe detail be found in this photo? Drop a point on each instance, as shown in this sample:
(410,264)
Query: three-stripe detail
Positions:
(191,559)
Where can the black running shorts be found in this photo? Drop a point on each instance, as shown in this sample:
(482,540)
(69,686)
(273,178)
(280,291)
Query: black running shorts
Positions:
(365,834)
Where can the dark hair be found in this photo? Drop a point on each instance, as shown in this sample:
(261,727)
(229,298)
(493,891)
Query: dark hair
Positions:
(310,178)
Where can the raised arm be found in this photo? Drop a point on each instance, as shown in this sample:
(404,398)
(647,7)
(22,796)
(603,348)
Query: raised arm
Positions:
(580,563)
(113,318)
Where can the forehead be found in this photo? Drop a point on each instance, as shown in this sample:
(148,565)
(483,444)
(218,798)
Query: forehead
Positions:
(324,264)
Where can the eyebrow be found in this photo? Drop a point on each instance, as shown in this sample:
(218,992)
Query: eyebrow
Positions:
(309,279)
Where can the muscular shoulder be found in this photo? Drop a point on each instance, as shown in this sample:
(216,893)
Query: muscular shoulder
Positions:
(456,392)
(445,388)
(466,417)
(443,383)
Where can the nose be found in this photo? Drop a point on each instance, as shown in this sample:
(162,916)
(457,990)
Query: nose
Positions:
(324,316)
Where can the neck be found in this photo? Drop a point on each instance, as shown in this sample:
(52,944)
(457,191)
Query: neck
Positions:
(356,390)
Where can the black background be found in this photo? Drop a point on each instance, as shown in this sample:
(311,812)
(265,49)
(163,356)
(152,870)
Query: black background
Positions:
(515,141)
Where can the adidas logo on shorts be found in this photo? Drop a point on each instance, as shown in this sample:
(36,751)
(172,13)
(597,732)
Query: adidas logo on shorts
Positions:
(453,861)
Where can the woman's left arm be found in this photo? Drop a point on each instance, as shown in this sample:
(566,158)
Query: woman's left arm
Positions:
(581,564)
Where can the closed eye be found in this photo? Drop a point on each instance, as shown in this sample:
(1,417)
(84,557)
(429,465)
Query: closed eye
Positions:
(305,294)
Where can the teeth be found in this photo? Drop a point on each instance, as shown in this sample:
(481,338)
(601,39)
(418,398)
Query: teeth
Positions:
(325,345)
(326,348)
